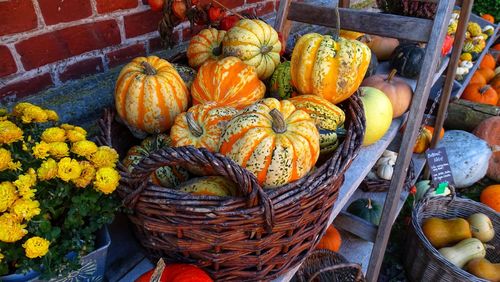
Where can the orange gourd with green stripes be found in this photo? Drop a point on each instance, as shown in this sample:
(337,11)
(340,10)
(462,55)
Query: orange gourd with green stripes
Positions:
(273,140)
(206,45)
(332,69)
(149,94)
(228,82)
(201,126)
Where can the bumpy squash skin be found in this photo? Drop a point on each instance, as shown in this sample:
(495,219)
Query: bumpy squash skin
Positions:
(280,84)
(187,74)
(275,157)
(445,232)
(464,251)
(227,82)
(211,120)
(367,209)
(205,46)
(256,43)
(484,269)
(210,186)
(325,114)
(150,102)
(328,68)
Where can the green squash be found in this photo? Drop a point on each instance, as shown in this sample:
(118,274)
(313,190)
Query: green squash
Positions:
(424,185)
(280,84)
(372,67)
(210,186)
(366,209)
(407,59)
(187,74)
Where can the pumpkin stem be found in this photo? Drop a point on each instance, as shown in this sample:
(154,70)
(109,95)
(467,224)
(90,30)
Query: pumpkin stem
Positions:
(369,206)
(279,124)
(194,127)
(366,38)
(148,68)
(217,51)
(266,49)
(391,75)
(487,246)
(485,88)
(337,28)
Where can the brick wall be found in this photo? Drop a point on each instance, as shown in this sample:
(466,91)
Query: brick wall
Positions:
(45,43)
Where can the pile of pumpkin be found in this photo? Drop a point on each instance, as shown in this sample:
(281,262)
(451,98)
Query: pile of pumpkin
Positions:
(484,86)
(461,242)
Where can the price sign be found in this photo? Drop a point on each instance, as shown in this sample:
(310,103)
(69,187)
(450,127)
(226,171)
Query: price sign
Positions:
(439,166)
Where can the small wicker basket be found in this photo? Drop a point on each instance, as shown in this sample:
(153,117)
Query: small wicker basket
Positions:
(423,262)
(382,185)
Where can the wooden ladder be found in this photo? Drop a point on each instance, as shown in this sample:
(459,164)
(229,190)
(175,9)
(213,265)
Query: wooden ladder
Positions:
(431,32)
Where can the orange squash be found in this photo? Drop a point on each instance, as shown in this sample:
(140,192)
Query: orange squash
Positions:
(424,139)
(489,17)
(496,47)
(149,94)
(383,47)
(482,94)
(206,45)
(488,62)
(490,196)
(477,78)
(495,83)
(487,73)
(489,131)
(331,240)
(228,82)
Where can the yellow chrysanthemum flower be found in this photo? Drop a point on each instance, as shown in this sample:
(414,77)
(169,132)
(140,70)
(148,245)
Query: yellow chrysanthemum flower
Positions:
(15,165)
(8,195)
(26,209)
(36,247)
(41,150)
(106,180)
(33,114)
(9,132)
(5,159)
(24,184)
(19,109)
(104,157)
(1,256)
(58,150)
(11,229)
(75,135)
(48,170)
(67,126)
(54,134)
(68,169)
(84,148)
(52,115)
(87,175)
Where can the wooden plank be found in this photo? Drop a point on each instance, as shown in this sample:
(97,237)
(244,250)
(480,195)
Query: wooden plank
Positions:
(416,112)
(282,24)
(356,225)
(393,25)
(355,249)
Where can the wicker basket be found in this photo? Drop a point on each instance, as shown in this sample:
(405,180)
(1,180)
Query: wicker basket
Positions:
(423,262)
(382,185)
(256,237)
(327,266)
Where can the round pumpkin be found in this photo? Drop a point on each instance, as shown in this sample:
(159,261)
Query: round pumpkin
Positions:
(280,84)
(482,94)
(488,62)
(256,43)
(424,139)
(149,94)
(210,186)
(490,196)
(477,78)
(378,112)
(489,131)
(273,140)
(331,240)
(407,59)
(227,82)
(325,114)
(328,67)
(206,45)
(488,74)
(383,47)
(178,273)
(164,176)
(201,126)
(366,209)
(488,18)
(396,89)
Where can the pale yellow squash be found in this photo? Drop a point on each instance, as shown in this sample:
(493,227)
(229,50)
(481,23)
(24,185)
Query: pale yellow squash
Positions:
(378,112)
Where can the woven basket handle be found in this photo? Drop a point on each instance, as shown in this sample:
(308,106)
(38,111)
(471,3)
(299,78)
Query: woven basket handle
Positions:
(359,275)
(453,194)
(211,163)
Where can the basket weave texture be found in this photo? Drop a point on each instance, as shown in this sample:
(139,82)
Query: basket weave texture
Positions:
(382,185)
(423,262)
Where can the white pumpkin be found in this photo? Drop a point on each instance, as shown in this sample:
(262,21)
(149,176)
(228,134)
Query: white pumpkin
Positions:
(385,171)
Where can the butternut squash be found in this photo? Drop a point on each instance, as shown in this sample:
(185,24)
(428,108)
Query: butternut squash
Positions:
(463,252)
(481,227)
(445,232)
(484,269)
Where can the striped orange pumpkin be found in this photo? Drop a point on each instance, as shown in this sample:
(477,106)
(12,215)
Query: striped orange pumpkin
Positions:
(332,69)
(273,140)
(228,82)
(206,45)
(325,114)
(149,94)
(201,126)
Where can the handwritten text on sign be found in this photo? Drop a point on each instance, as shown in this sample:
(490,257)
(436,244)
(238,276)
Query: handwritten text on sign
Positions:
(439,166)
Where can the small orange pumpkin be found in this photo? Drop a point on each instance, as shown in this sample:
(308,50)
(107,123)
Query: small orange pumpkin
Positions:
(488,62)
(487,73)
(331,240)
(488,18)
(483,94)
(424,139)
(496,47)
(477,78)
(495,83)
(490,196)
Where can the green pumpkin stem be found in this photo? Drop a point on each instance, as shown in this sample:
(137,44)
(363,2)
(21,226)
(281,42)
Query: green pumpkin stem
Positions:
(336,32)
(369,206)
(266,49)
(391,75)
(148,68)
(484,89)
(194,127)
(279,124)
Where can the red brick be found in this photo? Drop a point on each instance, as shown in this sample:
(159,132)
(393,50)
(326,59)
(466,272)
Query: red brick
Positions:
(227,3)
(187,33)
(141,23)
(81,68)
(265,9)
(254,1)
(155,44)
(61,11)
(26,87)
(7,63)
(17,16)
(125,55)
(107,6)
(57,45)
